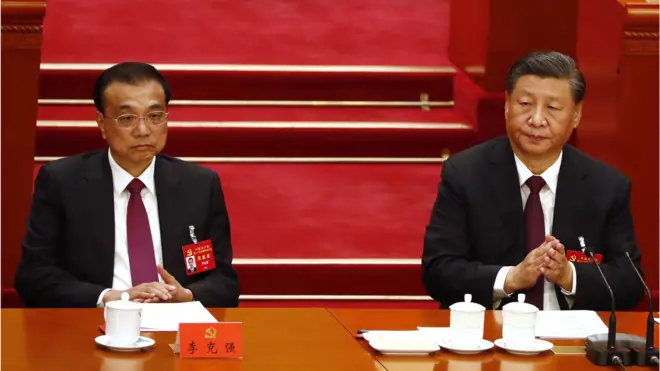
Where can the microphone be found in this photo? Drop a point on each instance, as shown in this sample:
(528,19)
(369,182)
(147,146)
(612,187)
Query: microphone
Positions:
(611,348)
(648,356)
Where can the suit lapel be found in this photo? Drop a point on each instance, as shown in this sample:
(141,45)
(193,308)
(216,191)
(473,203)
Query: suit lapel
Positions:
(569,201)
(506,187)
(170,215)
(99,213)
(569,206)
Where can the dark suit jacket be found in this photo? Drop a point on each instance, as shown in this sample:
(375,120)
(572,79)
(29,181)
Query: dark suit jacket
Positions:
(477,226)
(68,252)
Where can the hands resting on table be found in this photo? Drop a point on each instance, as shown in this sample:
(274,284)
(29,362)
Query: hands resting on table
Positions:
(153,292)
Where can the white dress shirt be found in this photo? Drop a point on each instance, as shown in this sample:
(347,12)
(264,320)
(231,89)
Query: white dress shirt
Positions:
(547,195)
(120,180)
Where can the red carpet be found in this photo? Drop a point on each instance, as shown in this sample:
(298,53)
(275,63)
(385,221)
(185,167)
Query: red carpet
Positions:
(379,32)
(288,210)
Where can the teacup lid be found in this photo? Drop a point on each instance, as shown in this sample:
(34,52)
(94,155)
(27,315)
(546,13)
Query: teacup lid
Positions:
(467,305)
(520,306)
(123,303)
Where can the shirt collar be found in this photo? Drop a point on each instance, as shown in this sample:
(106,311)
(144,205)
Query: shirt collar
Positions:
(121,178)
(550,175)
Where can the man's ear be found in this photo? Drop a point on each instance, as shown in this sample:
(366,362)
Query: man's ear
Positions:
(100,121)
(506,104)
(577,115)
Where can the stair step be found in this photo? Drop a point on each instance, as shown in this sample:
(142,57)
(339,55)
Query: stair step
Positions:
(187,113)
(275,142)
(274,83)
(337,278)
(64,130)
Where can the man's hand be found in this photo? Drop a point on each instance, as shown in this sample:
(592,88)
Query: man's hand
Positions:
(525,274)
(556,267)
(180,294)
(153,291)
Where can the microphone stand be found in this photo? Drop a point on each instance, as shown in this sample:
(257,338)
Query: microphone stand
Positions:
(612,348)
(648,356)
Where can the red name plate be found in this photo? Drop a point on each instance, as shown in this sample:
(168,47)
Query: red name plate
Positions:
(211,340)
(199,257)
(580,257)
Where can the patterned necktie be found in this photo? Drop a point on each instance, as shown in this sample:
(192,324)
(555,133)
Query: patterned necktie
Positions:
(140,245)
(534,234)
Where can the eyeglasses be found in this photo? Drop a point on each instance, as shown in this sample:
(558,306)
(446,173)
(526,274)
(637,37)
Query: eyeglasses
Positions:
(129,120)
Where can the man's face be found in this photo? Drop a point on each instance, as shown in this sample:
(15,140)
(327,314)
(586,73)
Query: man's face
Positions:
(190,263)
(138,144)
(541,115)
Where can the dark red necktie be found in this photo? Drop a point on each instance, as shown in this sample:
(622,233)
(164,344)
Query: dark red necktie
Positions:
(140,245)
(534,234)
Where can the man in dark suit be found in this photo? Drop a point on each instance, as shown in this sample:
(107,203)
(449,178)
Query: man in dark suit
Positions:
(117,220)
(510,210)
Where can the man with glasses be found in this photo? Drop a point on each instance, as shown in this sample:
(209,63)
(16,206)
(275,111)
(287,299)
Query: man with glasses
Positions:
(126,218)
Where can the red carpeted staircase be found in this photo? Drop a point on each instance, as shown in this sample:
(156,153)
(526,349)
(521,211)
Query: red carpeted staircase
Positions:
(327,122)
(335,190)
(274,111)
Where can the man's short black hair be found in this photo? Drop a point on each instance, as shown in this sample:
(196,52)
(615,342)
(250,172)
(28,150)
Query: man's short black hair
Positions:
(128,73)
(191,258)
(548,64)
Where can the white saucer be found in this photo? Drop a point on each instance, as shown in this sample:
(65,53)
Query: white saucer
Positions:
(404,347)
(143,342)
(530,349)
(478,347)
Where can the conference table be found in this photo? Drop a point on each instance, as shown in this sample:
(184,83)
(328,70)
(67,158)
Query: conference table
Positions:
(288,339)
(356,319)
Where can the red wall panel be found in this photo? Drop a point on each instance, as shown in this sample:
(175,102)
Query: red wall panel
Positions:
(21,54)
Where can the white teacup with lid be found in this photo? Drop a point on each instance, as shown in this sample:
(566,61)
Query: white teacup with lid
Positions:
(122,321)
(466,322)
(519,323)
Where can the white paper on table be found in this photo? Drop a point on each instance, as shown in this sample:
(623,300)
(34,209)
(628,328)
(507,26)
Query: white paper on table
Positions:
(399,339)
(369,335)
(394,335)
(436,333)
(568,324)
(167,316)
